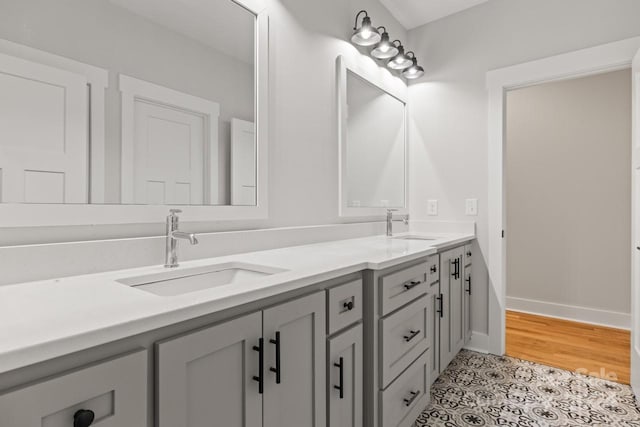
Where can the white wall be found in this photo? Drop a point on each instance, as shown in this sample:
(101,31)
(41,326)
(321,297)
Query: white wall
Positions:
(568,192)
(306,37)
(449,104)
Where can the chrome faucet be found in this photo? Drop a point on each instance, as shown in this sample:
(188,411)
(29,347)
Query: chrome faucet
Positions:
(173,234)
(390,221)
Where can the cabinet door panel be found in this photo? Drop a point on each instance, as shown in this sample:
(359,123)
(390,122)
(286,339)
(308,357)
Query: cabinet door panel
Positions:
(434,331)
(300,398)
(205,379)
(345,371)
(467,303)
(451,292)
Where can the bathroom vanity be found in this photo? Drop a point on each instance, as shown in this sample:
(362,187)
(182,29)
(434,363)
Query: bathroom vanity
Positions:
(345,333)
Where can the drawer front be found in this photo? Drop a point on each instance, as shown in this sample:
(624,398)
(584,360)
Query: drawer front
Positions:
(468,254)
(403,401)
(404,336)
(344,306)
(433,269)
(114,390)
(402,287)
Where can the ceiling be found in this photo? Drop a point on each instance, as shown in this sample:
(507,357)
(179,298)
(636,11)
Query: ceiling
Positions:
(413,13)
(219,24)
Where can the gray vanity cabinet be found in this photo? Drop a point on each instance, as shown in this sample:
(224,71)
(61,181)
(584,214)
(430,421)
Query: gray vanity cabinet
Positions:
(295,358)
(205,378)
(344,391)
(452,309)
(213,377)
(468,254)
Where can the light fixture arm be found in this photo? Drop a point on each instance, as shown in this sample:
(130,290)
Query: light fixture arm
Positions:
(399,42)
(413,55)
(355,26)
(383,27)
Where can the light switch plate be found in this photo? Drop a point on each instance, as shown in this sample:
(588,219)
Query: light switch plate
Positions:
(471,207)
(432,207)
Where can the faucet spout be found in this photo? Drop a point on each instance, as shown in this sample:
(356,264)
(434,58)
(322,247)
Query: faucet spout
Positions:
(191,237)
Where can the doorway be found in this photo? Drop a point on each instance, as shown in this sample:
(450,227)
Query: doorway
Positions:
(568,209)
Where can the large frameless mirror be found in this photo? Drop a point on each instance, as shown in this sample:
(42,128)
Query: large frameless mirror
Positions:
(129,102)
(373,141)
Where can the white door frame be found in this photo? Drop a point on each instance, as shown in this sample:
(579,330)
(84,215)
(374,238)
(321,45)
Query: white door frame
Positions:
(608,57)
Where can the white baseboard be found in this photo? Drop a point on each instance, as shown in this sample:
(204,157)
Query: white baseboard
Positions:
(478,342)
(593,316)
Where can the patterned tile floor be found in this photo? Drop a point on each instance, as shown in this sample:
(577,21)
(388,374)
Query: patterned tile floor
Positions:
(486,390)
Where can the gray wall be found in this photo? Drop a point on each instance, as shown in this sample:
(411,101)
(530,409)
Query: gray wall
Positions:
(449,104)
(569,192)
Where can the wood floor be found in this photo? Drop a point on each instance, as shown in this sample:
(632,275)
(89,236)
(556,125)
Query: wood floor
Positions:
(579,347)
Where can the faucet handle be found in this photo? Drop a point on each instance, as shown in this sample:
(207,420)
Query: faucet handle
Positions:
(175,211)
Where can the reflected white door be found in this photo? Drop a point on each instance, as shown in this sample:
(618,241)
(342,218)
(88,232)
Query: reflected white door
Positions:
(169,155)
(43,133)
(243,163)
(635,226)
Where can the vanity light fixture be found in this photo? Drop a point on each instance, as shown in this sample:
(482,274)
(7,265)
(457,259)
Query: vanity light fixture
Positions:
(392,52)
(400,61)
(367,34)
(385,49)
(414,71)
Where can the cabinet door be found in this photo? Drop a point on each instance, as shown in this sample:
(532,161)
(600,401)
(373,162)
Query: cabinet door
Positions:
(205,379)
(452,294)
(434,331)
(344,390)
(467,303)
(295,332)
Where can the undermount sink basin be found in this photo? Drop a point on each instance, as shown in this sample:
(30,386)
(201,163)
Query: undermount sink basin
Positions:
(180,282)
(415,238)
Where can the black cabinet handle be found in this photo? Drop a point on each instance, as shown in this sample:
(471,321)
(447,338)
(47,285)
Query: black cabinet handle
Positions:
(412,284)
(439,310)
(412,335)
(348,305)
(83,418)
(260,377)
(414,396)
(434,269)
(340,366)
(468,280)
(277,369)
(456,268)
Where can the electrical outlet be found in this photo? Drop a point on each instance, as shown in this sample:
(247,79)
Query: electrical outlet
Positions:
(432,207)
(471,207)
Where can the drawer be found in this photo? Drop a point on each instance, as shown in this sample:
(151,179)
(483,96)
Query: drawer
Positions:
(404,336)
(468,254)
(114,390)
(402,287)
(403,401)
(433,269)
(344,306)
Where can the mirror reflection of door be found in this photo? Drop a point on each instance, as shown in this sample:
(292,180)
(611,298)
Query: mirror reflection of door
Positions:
(46,162)
(169,155)
(243,163)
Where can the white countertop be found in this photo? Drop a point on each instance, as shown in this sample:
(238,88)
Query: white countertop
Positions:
(50,318)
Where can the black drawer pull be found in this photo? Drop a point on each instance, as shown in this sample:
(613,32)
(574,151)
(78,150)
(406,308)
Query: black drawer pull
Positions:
(260,377)
(434,269)
(340,365)
(83,418)
(277,369)
(439,310)
(412,284)
(468,280)
(348,305)
(412,335)
(414,396)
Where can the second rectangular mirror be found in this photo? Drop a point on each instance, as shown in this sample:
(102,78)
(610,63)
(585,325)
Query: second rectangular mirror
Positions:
(373,141)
